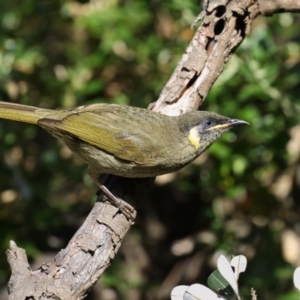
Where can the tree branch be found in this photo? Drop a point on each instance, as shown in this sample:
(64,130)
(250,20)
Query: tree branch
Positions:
(270,7)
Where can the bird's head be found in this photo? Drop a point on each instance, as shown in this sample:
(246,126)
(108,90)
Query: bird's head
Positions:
(203,128)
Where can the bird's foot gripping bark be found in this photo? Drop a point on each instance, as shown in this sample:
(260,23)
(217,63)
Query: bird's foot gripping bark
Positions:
(101,180)
(126,209)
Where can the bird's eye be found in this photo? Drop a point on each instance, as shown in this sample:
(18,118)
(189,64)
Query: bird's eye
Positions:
(208,122)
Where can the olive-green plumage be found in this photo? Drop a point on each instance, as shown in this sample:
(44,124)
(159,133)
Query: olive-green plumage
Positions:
(124,140)
(127,141)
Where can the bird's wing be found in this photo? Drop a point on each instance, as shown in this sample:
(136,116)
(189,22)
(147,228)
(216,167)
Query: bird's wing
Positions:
(105,129)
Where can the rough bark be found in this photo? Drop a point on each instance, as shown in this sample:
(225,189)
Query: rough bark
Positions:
(224,25)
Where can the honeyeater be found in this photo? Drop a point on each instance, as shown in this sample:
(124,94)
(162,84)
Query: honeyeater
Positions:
(124,140)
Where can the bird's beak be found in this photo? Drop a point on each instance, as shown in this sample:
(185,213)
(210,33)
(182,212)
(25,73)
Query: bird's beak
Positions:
(230,123)
(234,122)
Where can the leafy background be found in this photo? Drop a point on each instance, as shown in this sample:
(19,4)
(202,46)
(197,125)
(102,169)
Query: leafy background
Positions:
(241,197)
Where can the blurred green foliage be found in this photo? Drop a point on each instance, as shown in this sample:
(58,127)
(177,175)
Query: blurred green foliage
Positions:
(241,197)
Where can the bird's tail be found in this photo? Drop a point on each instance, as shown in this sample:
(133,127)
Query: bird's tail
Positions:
(19,112)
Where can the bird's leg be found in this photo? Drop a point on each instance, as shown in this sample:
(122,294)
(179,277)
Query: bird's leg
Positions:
(124,207)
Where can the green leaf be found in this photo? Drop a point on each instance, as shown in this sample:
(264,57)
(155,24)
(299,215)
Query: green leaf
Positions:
(219,284)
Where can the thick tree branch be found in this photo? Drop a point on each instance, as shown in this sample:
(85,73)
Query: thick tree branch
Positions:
(75,269)
(225,23)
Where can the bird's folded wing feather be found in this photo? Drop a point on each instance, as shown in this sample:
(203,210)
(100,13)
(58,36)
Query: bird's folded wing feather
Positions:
(121,137)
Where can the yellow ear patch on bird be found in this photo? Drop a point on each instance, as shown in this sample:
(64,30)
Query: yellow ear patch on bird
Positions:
(194,137)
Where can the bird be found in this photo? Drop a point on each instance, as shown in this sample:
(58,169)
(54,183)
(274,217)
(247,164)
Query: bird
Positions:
(124,140)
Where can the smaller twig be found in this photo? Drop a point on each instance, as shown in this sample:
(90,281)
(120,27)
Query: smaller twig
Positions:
(253,294)
(270,7)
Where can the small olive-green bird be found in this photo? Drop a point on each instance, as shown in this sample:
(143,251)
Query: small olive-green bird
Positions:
(126,141)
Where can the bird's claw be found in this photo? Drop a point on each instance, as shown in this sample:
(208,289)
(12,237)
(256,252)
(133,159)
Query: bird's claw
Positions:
(126,209)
